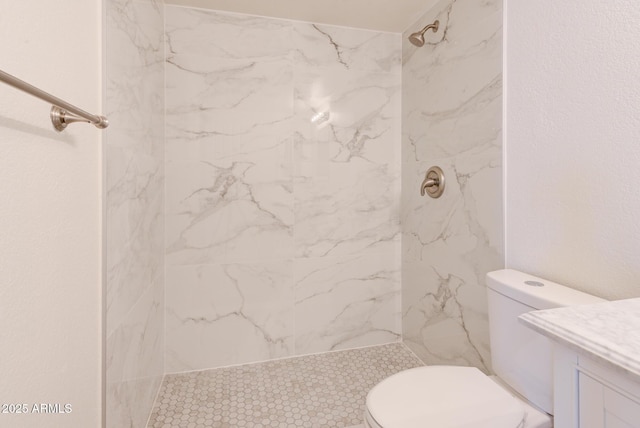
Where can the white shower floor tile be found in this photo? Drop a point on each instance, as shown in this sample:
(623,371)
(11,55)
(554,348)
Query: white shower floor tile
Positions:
(323,390)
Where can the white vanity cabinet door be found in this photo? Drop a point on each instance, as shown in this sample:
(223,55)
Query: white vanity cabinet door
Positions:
(590,402)
(603,407)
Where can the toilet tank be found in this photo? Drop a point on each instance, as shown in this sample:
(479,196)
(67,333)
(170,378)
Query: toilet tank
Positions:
(521,357)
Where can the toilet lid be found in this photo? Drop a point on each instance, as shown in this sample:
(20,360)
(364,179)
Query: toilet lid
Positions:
(443,397)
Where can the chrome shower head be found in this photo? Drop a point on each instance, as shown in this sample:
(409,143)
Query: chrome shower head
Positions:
(418,38)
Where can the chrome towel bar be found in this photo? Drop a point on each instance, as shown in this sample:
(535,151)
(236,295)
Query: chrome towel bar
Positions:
(62,113)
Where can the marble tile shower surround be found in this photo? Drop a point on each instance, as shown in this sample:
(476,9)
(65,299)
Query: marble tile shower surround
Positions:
(451,117)
(282,235)
(134,154)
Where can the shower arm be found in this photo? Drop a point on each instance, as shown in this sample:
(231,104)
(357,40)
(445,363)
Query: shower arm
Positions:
(433,26)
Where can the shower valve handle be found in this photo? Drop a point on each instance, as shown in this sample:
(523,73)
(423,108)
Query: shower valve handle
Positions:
(433,183)
(428,182)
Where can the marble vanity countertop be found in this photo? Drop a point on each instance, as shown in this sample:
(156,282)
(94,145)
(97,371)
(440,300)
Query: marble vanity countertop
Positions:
(608,332)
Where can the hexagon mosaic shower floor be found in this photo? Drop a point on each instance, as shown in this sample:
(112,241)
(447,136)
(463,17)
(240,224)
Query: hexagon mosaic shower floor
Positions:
(323,390)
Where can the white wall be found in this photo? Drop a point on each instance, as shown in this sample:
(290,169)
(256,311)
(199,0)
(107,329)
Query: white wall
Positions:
(381,15)
(573,143)
(50,221)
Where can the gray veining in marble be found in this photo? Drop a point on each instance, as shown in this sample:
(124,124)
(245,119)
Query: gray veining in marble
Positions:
(451,117)
(607,332)
(134,239)
(282,234)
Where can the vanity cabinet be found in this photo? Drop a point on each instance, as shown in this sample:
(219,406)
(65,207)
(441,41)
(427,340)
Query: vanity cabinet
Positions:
(596,370)
(589,394)
(601,406)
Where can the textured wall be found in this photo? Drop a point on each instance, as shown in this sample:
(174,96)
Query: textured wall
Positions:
(50,230)
(134,204)
(282,234)
(451,117)
(573,127)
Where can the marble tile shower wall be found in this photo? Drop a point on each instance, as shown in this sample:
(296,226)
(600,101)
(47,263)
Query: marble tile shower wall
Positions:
(134,154)
(282,233)
(451,117)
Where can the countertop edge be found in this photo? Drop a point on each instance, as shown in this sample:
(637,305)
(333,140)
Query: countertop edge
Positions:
(580,344)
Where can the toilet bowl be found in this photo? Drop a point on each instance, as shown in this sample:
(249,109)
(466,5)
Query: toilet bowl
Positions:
(447,397)
(521,393)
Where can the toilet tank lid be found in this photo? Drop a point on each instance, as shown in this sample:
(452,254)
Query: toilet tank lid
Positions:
(525,289)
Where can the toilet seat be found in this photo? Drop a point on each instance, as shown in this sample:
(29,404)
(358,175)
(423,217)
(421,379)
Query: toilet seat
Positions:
(443,397)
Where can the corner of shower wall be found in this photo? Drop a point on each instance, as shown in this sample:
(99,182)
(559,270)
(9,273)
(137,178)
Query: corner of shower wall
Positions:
(134,100)
(451,117)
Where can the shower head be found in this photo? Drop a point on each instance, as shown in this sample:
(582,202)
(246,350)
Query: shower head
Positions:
(418,37)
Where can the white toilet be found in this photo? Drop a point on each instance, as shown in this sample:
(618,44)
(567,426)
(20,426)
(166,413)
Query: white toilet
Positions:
(520,396)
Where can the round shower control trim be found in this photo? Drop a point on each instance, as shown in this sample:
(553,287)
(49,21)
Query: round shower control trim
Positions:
(433,183)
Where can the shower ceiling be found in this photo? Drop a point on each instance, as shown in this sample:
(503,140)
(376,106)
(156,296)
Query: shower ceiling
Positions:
(381,15)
